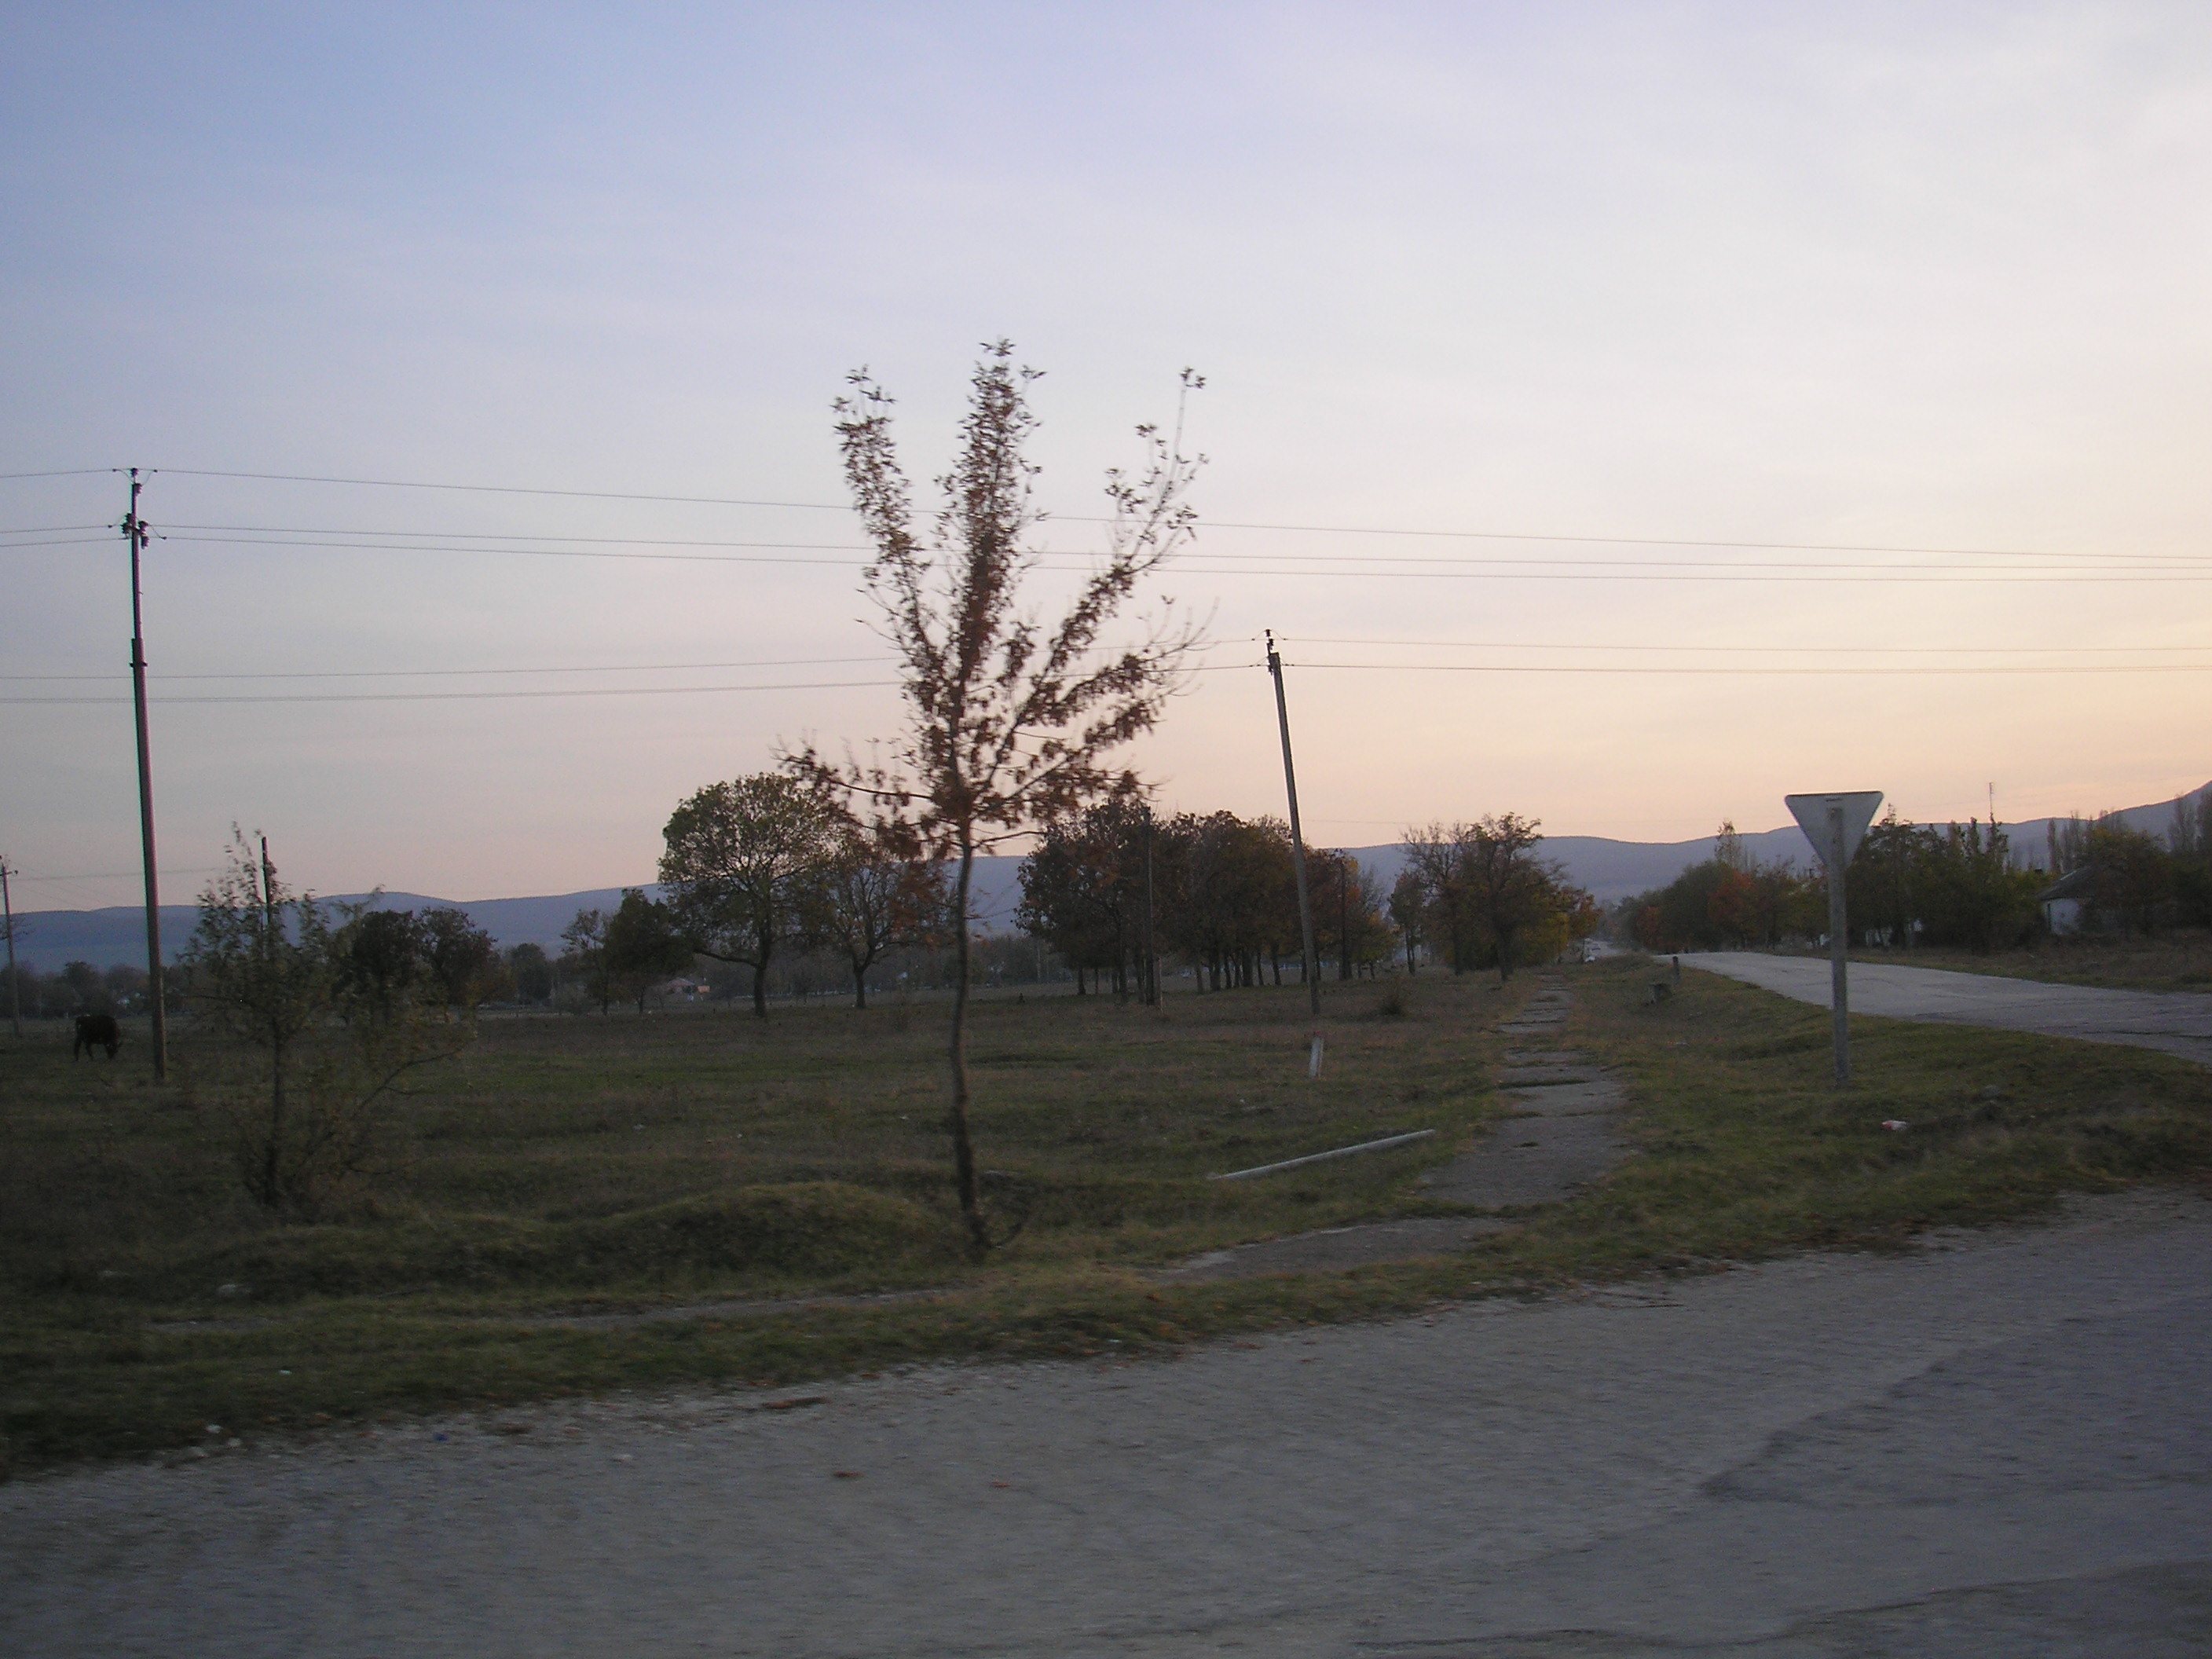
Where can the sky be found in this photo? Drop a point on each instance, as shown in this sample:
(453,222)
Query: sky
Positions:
(1788,396)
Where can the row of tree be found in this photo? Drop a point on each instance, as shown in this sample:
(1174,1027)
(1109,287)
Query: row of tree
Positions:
(1952,884)
(1111,887)
(2137,881)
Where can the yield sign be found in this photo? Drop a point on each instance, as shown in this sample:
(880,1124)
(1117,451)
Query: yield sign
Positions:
(1812,812)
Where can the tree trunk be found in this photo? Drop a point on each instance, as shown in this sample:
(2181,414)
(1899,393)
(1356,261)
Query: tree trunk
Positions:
(963,1152)
(860,984)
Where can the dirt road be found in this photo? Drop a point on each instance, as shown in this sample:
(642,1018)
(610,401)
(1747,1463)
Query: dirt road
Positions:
(1996,1444)
(2177,1022)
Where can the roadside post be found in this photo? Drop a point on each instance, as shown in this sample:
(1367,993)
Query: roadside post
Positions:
(1835,824)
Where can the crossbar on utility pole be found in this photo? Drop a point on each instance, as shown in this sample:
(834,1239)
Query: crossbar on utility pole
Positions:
(1297,836)
(134,532)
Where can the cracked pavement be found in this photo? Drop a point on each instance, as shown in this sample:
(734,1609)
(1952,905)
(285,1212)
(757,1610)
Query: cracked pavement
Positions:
(1994,1444)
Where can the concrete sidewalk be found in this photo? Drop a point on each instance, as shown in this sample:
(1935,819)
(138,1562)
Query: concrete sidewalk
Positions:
(1992,1444)
(2176,1022)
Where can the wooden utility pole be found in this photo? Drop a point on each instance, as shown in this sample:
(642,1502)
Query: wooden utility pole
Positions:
(14,992)
(134,532)
(1297,836)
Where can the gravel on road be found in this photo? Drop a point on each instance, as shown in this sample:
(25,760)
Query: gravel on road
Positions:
(1993,1443)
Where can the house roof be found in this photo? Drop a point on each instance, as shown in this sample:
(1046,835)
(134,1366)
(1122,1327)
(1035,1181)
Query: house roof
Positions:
(2074,885)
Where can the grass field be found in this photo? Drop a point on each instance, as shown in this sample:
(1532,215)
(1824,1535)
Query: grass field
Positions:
(567,1175)
(2179,959)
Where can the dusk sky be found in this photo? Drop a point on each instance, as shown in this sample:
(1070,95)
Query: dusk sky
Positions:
(1757,338)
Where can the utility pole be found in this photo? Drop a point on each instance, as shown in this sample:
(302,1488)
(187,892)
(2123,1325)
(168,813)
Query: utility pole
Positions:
(15,991)
(1297,844)
(1343,914)
(1152,995)
(134,531)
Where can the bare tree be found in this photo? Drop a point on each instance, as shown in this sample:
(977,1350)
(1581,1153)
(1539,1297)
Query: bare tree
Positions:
(266,969)
(1009,720)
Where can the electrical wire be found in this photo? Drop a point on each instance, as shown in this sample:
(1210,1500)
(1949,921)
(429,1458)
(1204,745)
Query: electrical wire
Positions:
(507,490)
(1792,650)
(461,697)
(1220,524)
(1857,669)
(2159,560)
(416,673)
(2167,562)
(1360,566)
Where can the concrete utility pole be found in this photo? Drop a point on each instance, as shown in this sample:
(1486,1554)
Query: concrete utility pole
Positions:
(1151,992)
(134,531)
(14,992)
(1298,839)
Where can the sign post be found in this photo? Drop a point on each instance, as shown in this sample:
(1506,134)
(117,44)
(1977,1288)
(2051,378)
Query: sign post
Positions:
(1835,824)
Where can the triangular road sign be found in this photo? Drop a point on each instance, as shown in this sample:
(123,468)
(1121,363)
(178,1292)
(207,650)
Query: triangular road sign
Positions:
(1811,812)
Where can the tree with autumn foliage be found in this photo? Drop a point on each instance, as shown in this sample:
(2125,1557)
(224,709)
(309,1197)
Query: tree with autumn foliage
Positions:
(1010,718)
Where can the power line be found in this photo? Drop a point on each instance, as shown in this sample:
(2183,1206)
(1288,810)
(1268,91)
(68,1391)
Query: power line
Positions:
(1791,650)
(552,552)
(1383,667)
(414,673)
(65,472)
(498,536)
(509,489)
(1363,566)
(1779,573)
(418,535)
(1841,668)
(465,696)
(1218,524)
(426,542)
(123,875)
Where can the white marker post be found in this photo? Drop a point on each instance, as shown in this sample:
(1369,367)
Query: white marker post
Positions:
(1835,824)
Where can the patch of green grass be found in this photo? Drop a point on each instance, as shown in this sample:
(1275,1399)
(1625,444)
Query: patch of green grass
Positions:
(2178,959)
(601,1168)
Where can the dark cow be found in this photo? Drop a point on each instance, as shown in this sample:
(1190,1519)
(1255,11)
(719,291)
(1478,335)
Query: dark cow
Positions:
(96,1031)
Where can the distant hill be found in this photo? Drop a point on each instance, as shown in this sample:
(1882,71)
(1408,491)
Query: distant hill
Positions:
(1610,870)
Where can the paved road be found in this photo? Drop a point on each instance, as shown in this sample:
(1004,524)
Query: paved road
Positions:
(2179,1022)
(1994,1445)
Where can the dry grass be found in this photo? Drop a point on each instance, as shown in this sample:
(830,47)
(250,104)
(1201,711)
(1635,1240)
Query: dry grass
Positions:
(595,1167)
(2179,959)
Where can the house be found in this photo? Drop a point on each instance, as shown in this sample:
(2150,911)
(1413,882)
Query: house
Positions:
(2062,900)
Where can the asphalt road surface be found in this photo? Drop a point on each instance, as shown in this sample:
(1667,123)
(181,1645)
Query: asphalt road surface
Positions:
(1995,1445)
(2179,1022)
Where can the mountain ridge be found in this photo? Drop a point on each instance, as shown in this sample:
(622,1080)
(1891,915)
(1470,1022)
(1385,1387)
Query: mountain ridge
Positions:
(1612,870)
